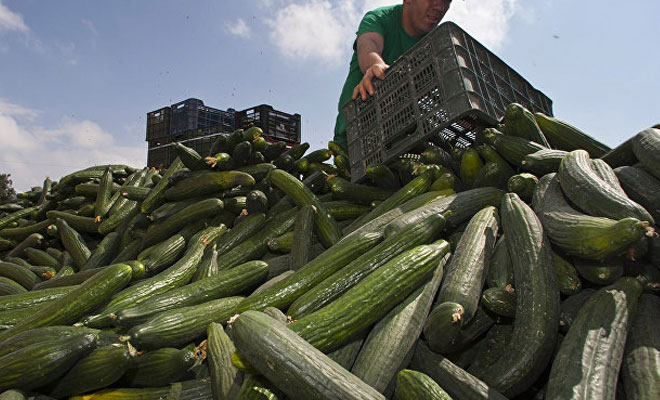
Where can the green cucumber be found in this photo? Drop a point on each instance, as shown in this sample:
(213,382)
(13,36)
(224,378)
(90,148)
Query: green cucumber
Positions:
(379,292)
(414,385)
(73,243)
(645,146)
(591,353)
(500,301)
(182,325)
(281,356)
(512,148)
(537,302)
(219,348)
(581,235)
(568,279)
(32,298)
(519,121)
(500,270)
(570,307)
(208,183)
(19,274)
(591,194)
(543,161)
(567,137)
(226,283)
(523,185)
(195,389)
(640,186)
(160,367)
(303,231)
(156,196)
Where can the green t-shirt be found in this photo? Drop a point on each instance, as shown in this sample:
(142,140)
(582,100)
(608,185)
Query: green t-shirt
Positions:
(387,22)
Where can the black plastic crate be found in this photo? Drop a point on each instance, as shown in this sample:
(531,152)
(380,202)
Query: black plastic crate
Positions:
(191,114)
(160,157)
(158,123)
(276,125)
(445,89)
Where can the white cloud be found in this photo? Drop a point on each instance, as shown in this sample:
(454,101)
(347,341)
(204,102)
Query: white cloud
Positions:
(90,26)
(30,153)
(10,21)
(238,28)
(298,33)
(315,30)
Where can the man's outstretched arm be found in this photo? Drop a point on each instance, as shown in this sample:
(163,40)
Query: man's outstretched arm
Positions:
(369,53)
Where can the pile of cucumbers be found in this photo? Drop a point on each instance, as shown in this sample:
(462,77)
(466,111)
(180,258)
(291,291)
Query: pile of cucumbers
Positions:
(526,266)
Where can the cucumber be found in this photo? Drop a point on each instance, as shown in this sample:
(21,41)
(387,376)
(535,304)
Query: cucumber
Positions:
(512,148)
(246,229)
(226,283)
(281,356)
(189,157)
(564,136)
(303,231)
(182,325)
(537,302)
(379,292)
(383,177)
(73,305)
(326,226)
(103,195)
(458,383)
(43,362)
(500,270)
(464,279)
(104,253)
(19,274)
(207,183)
(470,166)
(543,161)
(282,294)
(195,389)
(101,368)
(645,146)
(590,355)
(581,235)
(397,331)
(342,189)
(500,301)
(519,121)
(591,194)
(570,307)
(73,243)
(32,298)
(160,367)
(640,368)
(156,197)
(599,273)
(219,348)
(568,279)
(640,186)
(414,385)
(523,185)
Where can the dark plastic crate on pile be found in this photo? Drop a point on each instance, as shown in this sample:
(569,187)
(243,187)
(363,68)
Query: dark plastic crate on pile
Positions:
(444,89)
(192,114)
(276,125)
(160,157)
(158,123)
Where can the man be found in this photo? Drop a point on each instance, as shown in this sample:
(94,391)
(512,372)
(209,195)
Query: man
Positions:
(383,35)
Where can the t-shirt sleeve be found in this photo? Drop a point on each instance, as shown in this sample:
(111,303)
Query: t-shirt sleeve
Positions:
(372,22)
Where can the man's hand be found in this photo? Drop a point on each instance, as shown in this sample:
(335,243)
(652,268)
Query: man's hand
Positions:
(366,86)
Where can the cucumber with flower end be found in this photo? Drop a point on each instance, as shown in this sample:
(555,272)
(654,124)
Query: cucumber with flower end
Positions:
(326,226)
(459,207)
(175,276)
(219,348)
(640,186)
(463,281)
(41,363)
(182,325)
(491,174)
(519,121)
(251,225)
(163,254)
(203,209)
(398,332)
(160,367)
(523,185)
(44,273)
(208,265)
(582,235)
(342,189)
(280,355)
(257,202)
(226,283)
(379,292)
(342,210)
(274,150)
(77,222)
(640,370)
(417,186)
(564,136)
(589,358)
(489,154)
(73,305)
(335,285)
(283,293)
(207,183)
(415,385)
(590,193)
(458,383)
(101,368)
(512,148)
(32,240)
(537,302)
(444,182)
(543,161)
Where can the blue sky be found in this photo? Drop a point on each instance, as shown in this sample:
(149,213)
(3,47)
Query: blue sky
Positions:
(77,77)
